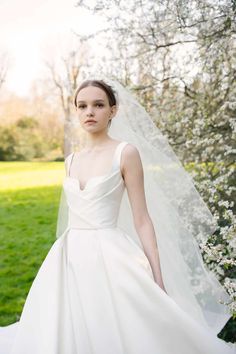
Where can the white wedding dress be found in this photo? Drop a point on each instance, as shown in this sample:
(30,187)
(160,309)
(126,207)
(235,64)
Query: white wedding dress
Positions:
(95,293)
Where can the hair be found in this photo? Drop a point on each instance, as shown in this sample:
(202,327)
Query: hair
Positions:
(100,84)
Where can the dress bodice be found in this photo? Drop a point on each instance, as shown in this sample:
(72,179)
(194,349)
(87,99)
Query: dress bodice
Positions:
(97,205)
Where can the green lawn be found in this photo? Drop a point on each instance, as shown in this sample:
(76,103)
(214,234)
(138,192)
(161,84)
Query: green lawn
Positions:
(30,194)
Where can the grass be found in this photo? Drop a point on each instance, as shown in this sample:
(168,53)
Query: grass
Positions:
(30,194)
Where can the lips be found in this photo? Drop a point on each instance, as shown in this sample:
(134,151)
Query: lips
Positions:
(91,120)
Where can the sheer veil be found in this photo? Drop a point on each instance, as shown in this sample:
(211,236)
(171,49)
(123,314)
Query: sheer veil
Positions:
(179,214)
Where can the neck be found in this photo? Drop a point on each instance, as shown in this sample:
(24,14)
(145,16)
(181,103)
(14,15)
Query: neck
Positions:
(95,141)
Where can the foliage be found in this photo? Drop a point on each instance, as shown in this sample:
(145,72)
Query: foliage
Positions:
(21,141)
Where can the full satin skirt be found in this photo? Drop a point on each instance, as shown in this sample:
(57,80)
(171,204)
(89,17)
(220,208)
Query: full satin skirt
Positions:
(95,294)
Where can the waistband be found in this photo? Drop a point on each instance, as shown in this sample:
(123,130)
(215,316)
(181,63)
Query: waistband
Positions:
(92,228)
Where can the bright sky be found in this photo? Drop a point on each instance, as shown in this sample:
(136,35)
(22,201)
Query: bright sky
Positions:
(29,29)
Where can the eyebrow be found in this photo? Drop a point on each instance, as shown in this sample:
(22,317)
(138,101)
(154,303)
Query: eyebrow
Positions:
(98,100)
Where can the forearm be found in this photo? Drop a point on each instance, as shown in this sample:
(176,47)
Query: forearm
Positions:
(147,236)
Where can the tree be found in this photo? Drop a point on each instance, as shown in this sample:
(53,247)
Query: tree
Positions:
(64,76)
(21,141)
(4,66)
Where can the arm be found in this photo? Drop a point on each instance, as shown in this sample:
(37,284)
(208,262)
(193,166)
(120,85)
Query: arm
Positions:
(132,171)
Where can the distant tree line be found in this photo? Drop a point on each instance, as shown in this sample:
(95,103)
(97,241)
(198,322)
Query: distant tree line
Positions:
(23,141)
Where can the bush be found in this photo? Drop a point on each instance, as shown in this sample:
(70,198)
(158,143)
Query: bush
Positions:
(22,141)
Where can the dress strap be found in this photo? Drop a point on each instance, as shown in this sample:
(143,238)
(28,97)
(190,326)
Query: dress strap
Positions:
(69,160)
(117,157)
(116,160)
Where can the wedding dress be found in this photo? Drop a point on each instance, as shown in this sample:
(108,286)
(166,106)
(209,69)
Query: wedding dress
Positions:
(95,292)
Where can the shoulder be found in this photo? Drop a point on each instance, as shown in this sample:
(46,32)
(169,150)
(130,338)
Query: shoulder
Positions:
(130,157)
(130,151)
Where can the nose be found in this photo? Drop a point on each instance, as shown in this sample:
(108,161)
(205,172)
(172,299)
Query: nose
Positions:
(89,111)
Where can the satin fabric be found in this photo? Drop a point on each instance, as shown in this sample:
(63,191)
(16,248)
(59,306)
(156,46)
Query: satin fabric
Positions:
(95,292)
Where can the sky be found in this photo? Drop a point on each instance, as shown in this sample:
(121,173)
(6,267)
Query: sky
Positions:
(31,29)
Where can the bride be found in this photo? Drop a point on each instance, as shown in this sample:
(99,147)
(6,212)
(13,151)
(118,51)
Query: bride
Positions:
(125,274)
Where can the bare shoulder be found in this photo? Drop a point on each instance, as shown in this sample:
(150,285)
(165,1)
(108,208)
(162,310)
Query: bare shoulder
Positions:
(130,158)
(130,152)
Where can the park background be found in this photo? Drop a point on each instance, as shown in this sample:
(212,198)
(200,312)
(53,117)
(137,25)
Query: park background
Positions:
(178,57)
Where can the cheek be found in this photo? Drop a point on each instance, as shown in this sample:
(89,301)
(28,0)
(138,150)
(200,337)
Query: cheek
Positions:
(106,111)
(80,113)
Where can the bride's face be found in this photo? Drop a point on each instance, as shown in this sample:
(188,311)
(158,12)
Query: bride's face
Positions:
(92,104)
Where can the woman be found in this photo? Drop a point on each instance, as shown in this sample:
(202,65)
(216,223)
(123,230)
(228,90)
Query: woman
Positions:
(97,290)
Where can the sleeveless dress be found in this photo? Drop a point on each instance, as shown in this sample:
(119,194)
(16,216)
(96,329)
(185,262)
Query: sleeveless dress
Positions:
(95,292)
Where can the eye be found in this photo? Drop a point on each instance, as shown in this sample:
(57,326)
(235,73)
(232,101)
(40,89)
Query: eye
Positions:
(81,106)
(100,104)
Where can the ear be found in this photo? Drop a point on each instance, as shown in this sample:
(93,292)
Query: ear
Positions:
(113,111)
